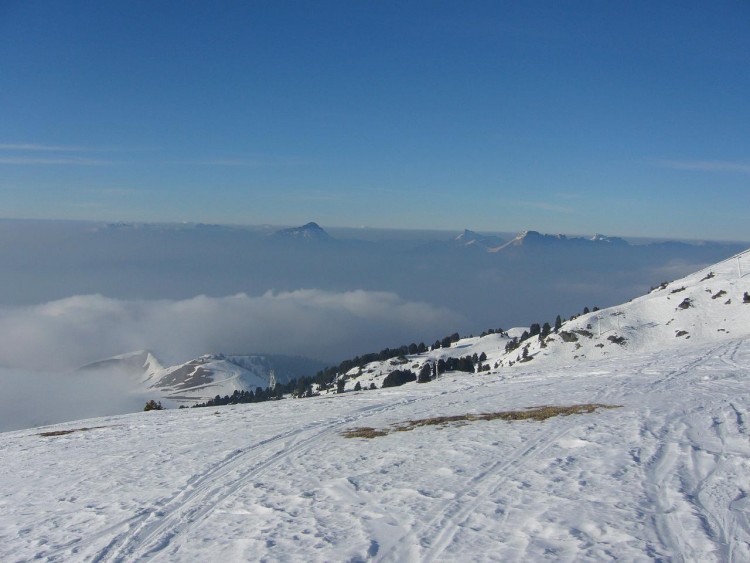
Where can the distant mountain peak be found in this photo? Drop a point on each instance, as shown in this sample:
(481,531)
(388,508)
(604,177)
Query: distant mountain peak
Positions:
(467,236)
(309,231)
(472,238)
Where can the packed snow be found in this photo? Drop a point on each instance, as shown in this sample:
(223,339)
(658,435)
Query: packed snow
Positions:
(664,475)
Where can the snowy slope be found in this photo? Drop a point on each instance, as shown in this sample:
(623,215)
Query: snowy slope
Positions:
(205,377)
(706,306)
(210,375)
(665,475)
(374,372)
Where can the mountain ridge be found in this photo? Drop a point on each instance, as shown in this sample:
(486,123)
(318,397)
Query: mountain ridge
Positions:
(709,305)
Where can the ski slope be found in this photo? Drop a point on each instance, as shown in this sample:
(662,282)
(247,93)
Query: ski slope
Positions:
(665,476)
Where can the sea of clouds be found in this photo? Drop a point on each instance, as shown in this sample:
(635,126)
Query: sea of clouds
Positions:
(45,344)
(68,333)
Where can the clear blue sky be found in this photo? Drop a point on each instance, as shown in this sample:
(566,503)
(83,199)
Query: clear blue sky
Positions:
(629,118)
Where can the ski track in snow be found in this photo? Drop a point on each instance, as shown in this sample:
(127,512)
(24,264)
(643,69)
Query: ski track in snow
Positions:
(454,515)
(151,533)
(156,530)
(684,480)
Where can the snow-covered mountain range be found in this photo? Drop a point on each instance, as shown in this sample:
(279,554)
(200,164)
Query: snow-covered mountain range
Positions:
(536,239)
(470,238)
(643,454)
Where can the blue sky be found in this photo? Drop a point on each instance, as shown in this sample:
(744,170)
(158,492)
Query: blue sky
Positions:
(629,118)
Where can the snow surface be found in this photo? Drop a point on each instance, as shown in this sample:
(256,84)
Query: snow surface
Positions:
(666,476)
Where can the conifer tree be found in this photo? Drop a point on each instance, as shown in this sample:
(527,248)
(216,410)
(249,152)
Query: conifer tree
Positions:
(425,374)
(153,406)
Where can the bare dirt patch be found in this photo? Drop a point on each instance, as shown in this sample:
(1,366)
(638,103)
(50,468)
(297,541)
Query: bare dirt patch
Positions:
(363,432)
(534,413)
(64,432)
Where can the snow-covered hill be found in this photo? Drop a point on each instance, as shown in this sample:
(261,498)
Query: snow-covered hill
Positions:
(202,378)
(707,306)
(215,374)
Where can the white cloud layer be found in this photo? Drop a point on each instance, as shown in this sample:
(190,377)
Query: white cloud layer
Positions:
(67,333)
